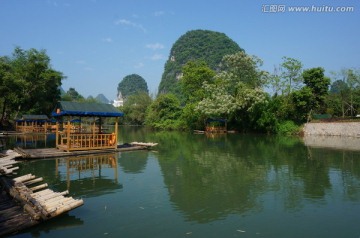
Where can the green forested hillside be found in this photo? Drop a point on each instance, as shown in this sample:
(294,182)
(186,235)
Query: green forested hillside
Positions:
(132,84)
(206,45)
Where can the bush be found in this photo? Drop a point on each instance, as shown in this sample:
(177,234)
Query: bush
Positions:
(288,128)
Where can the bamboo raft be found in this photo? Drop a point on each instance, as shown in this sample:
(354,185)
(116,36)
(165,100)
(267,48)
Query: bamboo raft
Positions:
(32,205)
(53,152)
(8,161)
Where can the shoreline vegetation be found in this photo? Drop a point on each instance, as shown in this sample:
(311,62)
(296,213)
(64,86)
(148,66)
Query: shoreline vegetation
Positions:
(196,86)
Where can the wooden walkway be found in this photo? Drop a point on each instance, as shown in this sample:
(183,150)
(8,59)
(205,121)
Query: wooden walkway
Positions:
(53,152)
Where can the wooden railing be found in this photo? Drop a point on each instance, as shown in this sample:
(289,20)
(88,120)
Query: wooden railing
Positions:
(86,141)
(215,129)
(29,129)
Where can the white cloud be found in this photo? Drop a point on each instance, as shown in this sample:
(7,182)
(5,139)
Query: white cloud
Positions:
(88,69)
(108,40)
(157,57)
(156,46)
(80,62)
(159,13)
(139,65)
(130,23)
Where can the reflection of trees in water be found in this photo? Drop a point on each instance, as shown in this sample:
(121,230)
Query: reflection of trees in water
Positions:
(64,221)
(133,162)
(209,178)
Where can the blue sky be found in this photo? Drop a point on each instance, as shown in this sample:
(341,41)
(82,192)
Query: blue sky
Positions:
(97,43)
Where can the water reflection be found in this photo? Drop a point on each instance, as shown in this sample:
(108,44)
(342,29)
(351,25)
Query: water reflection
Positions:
(270,186)
(90,175)
(64,221)
(333,142)
(236,174)
(133,162)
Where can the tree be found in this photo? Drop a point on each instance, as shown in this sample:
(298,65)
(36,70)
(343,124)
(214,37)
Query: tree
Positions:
(315,80)
(292,69)
(7,88)
(28,83)
(132,84)
(164,113)
(244,68)
(286,77)
(135,108)
(217,101)
(195,73)
(346,88)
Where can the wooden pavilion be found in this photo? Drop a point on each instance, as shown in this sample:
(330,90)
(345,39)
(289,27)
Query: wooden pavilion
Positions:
(32,124)
(216,125)
(79,126)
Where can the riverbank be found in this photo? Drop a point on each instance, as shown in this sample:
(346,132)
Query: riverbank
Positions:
(347,129)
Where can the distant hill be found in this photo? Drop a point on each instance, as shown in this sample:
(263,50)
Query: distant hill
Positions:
(101,98)
(132,84)
(206,45)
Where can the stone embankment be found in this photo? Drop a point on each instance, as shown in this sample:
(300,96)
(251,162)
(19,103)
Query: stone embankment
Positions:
(347,129)
(344,135)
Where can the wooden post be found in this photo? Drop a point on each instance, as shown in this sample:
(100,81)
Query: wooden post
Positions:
(93,133)
(116,132)
(57,134)
(68,136)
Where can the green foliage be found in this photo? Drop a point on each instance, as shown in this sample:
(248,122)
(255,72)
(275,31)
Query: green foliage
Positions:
(195,73)
(286,77)
(217,101)
(244,68)
(135,108)
(288,128)
(164,113)
(235,93)
(315,80)
(192,118)
(292,69)
(209,46)
(344,97)
(28,84)
(132,84)
(303,101)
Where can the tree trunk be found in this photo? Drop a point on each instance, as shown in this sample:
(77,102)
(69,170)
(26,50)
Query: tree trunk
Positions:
(3,112)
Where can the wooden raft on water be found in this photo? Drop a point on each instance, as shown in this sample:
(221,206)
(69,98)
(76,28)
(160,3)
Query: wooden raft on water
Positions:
(33,204)
(54,153)
(8,161)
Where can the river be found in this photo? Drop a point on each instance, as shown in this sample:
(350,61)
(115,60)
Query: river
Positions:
(191,185)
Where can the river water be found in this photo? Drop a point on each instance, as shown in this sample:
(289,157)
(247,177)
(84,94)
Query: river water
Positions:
(191,185)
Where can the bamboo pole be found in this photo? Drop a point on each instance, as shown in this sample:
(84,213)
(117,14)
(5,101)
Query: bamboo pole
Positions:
(57,203)
(67,207)
(41,193)
(51,195)
(24,178)
(34,214)
(33,181)
(39,187)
